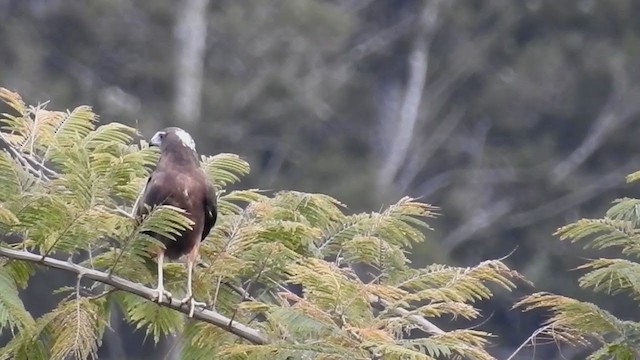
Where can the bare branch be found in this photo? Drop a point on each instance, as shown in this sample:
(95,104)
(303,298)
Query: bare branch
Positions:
(408,118)
(619,109)
(209,316)
(480,220)
(568,201)
(531,339)
(425,324)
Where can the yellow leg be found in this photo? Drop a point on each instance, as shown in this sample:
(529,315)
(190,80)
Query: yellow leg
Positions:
(161,291)
(191,259)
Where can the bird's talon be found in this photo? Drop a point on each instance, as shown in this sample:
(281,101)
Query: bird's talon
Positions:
(161,294)
(193,304)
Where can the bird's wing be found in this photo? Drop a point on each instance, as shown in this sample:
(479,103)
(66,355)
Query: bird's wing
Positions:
(210,209)
(139,204)
(152,194)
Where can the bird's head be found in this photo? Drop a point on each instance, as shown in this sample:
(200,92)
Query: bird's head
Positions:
(172,137)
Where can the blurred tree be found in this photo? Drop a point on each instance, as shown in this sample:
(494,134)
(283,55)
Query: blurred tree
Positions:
(190,42)
(511,116)
(584,323)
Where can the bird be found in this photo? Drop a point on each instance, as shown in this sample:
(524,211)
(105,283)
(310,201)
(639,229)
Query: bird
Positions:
(179,180)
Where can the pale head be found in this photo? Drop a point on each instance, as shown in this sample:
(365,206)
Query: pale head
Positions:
(172,133)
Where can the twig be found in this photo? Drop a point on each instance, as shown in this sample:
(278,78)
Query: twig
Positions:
(251,283)
(209,316)
(529,339)
(28,161)
(78,280)
(425,324)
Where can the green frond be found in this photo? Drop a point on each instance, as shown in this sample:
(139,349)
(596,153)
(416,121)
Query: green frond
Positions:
(603,233)
(68,130)
(302,322)
(293,235)
(24,346)
(78,181)
(19,271)
(134,245)
(40,215)
(633,177)
(441,282)
(625,209)
(76,329)
(336,234)
(109,135)
(399,352)
(612,276)
(332,291)
(168,221)
(7,218)
(373,250)
(198,344)
(233,235)
(121,171)
(269,259)
(403,223)
(224,169)
(439,309)
(13,99)
(468,344)
(73,329)
(79,231)
(573,321)
(316,210)
(14,180)
(158,320)
(617,349)
(465,343)
(379,239)
(287,351)
(228,203)
(13,315)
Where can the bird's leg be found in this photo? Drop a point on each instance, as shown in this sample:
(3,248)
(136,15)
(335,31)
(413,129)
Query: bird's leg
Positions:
(189,298)
(161,291)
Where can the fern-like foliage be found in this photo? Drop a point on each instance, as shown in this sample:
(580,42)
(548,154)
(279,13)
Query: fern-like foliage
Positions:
(586,324)
(67,187)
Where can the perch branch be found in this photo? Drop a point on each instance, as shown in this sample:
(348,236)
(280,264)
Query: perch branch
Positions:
(209,316)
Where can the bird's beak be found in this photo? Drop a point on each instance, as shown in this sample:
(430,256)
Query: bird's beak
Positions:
(155,140)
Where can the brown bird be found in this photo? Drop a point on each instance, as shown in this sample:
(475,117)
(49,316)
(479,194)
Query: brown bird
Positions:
(178,180)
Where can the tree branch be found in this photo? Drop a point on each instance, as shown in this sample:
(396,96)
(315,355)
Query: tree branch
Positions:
(209,316)
(425,324)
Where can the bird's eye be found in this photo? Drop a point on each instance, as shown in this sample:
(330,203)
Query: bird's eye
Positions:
(162,136)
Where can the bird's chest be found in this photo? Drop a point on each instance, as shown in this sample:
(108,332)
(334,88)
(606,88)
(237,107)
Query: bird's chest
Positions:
(182,194)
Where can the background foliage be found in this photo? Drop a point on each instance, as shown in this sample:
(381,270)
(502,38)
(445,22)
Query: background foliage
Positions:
(515,117)
(583,323)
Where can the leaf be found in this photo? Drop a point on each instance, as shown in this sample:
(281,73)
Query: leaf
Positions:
(224,169)
(76,329)
(165,220)
(69,129)
(158,320)
(12,99)
(109,134)
(13,315)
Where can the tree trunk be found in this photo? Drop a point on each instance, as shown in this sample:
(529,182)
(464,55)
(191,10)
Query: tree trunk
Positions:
(190,43)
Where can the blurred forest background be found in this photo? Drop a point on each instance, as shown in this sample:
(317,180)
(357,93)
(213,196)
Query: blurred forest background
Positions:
(514,117)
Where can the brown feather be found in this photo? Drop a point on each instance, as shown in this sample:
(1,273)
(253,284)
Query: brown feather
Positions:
(179,181)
